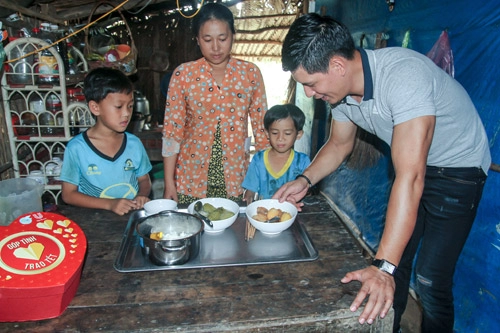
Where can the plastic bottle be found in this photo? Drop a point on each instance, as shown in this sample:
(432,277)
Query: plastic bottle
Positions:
(62,47)
(72,59)
(73,97)
(38,176)
(53,116)
(48,68)
(53,170)
(36,104)
(75,94)
(29,125)
(20,71)
(53,103)
(36,108)
(47,124)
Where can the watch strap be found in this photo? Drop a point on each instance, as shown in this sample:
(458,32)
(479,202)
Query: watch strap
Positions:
(385,266)
(306,178)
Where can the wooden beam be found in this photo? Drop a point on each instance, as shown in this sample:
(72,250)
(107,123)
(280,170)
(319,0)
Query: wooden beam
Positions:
(263,56)
(28,12)
(257,31)
(262,17)
(6,167)
(78,12)
(258,42)
(84,10)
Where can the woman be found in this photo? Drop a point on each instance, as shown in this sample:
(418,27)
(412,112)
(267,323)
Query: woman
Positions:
(209,101)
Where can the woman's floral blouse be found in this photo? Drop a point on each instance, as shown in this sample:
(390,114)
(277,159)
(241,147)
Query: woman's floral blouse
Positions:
(194,106)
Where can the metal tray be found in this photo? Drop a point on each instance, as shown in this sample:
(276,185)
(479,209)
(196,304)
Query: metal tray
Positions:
(228,248)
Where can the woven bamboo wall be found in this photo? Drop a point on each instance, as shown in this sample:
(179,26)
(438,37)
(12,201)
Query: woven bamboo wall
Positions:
(169,34)
(6,171)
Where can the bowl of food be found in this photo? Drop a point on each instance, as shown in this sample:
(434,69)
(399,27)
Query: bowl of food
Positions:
(158,205)
(222,212)
(270,216)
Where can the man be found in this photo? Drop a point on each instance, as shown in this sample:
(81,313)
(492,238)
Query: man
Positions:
(439,150)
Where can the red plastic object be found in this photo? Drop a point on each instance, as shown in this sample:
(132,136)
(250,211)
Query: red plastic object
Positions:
(41,260)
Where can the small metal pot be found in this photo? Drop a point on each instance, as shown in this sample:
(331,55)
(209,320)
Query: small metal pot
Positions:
(183,233)
(141,104)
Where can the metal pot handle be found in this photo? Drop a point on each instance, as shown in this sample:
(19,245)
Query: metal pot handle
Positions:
(174,248)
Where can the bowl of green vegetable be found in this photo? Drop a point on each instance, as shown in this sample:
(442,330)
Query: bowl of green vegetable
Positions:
(222,212)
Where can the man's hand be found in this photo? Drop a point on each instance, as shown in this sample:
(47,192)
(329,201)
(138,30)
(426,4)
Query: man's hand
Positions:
(293,192)
(378,286)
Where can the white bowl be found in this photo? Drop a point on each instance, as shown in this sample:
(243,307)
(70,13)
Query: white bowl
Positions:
(275,227)
(219,225)
(159,205)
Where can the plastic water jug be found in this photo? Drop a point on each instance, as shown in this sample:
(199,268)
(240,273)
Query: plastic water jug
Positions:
(19,196)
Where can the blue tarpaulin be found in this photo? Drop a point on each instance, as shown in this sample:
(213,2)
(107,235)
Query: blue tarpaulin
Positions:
(473,32)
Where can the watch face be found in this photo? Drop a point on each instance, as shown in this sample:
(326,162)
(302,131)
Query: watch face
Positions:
(387,267)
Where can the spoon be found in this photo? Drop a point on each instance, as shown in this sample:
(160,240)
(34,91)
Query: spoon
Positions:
(198,206)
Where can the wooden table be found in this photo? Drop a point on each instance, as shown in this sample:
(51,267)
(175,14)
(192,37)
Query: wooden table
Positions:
(288,297)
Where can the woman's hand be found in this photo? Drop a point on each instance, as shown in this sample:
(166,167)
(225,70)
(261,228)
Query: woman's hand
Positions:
(170,192)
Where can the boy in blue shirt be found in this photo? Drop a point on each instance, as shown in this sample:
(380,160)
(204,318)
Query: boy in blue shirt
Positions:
(106,167)
(273,167)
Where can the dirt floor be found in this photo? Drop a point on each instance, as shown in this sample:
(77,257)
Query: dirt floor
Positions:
(410,322)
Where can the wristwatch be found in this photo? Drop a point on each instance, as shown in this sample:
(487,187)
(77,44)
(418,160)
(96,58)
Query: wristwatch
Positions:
(385,266)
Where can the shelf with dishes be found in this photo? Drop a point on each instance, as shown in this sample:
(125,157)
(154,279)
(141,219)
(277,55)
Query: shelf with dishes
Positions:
(44,108)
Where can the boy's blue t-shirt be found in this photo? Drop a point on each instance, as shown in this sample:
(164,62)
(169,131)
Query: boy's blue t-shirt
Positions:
(260,178)
(101,176)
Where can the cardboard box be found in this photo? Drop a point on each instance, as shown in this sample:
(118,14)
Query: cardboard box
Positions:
(41,260)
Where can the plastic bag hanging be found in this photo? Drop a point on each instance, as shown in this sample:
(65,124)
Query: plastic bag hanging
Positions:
(442,55)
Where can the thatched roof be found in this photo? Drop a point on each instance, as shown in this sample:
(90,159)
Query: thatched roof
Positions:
(261,25)
(59,11)
(158,28)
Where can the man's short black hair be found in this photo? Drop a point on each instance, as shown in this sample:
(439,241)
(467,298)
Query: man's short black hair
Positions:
(312,41)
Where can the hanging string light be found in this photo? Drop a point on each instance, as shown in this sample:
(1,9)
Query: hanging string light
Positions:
(190,16)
